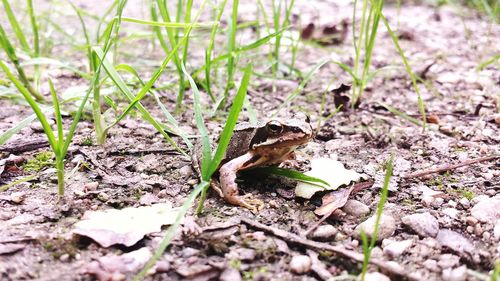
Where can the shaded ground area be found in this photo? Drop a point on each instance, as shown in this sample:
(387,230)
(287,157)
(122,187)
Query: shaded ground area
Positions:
(441,226)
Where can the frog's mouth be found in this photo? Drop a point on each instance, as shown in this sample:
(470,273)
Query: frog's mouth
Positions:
(288,141)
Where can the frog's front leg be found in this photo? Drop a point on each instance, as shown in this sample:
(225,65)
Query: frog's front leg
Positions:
(229,186)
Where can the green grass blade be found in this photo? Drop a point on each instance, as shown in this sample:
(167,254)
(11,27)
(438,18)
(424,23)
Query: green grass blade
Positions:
(171,231)
(206,158)
(39,113)
(16,27)
(19,126)
(170,118)
(231,66)
(168,24)
(413,77)
(232,119)
(34,28)
(208,51)
(120,84)
(302,84)
(292,174)
(11,53)
(59,123)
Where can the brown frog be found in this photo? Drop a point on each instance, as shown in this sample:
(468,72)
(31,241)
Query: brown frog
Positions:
(258,145)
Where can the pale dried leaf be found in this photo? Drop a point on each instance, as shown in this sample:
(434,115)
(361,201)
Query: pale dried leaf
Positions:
(329,170)
(126,226)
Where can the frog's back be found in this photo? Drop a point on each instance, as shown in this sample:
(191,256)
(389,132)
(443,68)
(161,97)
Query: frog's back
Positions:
(240,141)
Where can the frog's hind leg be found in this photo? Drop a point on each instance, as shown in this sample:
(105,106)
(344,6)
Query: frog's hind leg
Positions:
(229,186)
(217,188)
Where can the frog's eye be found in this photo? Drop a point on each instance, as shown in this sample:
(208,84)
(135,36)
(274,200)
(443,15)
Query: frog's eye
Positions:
(274,127)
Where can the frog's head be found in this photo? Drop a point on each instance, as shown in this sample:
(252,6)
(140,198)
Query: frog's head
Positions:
(283,133)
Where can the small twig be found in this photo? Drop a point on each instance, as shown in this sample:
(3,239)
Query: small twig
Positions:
(320,246)
(449,167)
(23,146)
(355,188)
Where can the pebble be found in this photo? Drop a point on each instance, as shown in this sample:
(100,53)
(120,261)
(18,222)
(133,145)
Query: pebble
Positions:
(37,126)
(424,224)
(325,232)
(230,274)
(186,171)
(397,248)
(487,210)
(189,252)
(471,220)
(496,231)
(478,230)
(431,265)
(454,241)
(91,186)
(486,236)
(448,260)
(470,229)
(17,197)
(451,212)
(148,199)
(355,208)
(103,197)
(465,203)
(64,257)
(457,274)
(452,204)
(375,276)
(300,264)
(387,227)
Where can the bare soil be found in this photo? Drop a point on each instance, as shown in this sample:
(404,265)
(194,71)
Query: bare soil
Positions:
(136,166)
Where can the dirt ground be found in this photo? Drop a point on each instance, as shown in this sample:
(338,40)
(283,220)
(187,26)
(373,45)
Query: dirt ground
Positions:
(440,226)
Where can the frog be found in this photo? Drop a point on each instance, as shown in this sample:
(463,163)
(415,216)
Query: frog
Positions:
(257,145)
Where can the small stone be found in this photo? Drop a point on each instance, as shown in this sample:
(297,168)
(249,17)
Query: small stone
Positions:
(300,264)
(437,202)
(17,197)
(486,236)
(189,252)
(192,182)
(230,274)
(451,212)
(448,260)
(471,220)
(457,274)
(397,248)
(387,227)
(465,202)
(91,186)
(148,199)
(454,241)
(325,232)
(375,276)
(355,208)
(478,230)
(496,230)
(470,229)
(424,224)
(64,257)
(186,171)
(431,265)
(452,204)
(487,210)
(37,126)
(103,197)
(161,194)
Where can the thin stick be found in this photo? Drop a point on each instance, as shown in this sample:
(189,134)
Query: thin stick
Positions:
(448,167)
(320,246)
